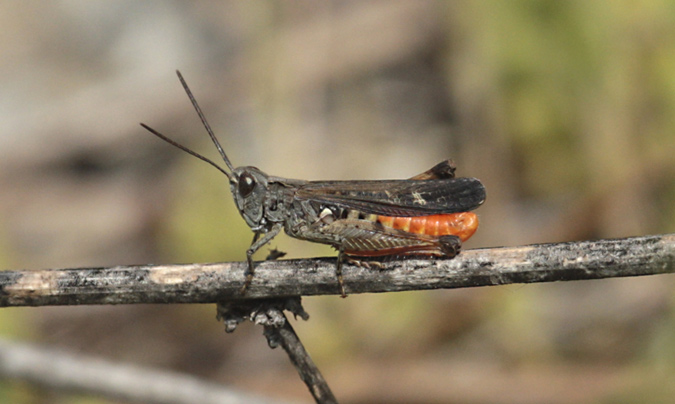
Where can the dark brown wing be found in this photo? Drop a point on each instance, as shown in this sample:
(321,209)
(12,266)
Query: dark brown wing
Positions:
(398,197)
(444,169)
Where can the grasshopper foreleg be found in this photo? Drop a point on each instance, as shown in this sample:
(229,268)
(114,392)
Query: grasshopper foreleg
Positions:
(255,246)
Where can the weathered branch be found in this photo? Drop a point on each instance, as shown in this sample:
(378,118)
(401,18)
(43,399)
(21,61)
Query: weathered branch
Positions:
(77,373)
(210,283)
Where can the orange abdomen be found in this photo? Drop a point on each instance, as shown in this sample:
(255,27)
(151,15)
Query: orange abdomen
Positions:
(462,224)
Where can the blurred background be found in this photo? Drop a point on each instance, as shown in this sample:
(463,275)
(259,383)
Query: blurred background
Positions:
(565,111)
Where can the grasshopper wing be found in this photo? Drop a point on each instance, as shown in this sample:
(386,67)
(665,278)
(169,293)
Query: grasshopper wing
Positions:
(398,197)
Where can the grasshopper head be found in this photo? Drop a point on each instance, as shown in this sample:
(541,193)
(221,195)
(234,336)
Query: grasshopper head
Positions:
(249,189)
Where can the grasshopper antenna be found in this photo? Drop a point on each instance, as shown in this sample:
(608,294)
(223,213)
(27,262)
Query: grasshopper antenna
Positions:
(204,122)
(208,129)
(185,149)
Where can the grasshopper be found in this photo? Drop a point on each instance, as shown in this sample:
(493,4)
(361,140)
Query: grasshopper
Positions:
(426,215)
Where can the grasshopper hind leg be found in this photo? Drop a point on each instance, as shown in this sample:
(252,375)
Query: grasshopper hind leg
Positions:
(448,246)
(365,244)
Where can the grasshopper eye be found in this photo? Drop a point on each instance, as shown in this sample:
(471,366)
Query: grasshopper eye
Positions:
(246,184)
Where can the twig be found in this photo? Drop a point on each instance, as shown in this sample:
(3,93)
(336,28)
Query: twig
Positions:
(303,363)
(270,314)
(210,283)
(64,371)
(278,331)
